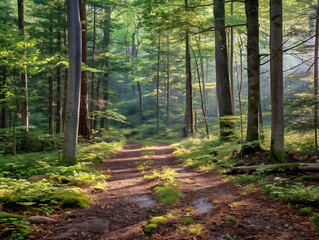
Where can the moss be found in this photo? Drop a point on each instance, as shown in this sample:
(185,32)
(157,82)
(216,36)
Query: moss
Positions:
(72,199)
(150,228)
(277,156)
(167,195)
(157,220)
(188,221)
(68,161)
(59,179)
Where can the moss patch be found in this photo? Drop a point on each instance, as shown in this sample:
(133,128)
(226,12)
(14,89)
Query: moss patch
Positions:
(157,220)
(150,228)
(70,199)
(167,194)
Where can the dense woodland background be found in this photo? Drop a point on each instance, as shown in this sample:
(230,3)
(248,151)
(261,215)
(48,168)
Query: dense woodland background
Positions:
(238,78)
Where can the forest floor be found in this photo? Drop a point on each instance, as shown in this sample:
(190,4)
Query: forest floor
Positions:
(218,210)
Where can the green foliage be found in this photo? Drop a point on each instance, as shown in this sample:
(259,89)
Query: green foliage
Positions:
(16,224)
(70,199)
(315,220)
(163,174)
(195,229)
(245,178)
(168,193)
(143,166)
(188,221)
(294,193)
(305,210)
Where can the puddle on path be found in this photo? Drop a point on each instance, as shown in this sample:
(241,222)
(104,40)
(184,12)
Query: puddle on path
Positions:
(182,171)
(251,221)
(203,206)
(144,201)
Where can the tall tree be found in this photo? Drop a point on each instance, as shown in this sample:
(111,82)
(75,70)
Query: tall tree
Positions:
(222,76)
(93,65)
(158,80)
(277,152)
(23,75)
(316,75)
(84,110)
(74,86)
(106,45)
(189,91)
(3,107)
(167,81)
(253,63)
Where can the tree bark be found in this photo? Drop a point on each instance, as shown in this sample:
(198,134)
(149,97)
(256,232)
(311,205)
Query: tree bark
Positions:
(222,76)
(105,83)
(59,92)
(23,76)
(189,91)
(202,74)
(93,66)
(316,76)
(201,96)
(277,152)
(253,63)
(168,83)
(51,122)
(158,80)
(141,100)
(3,108)
(84,109)
(74,86)
(231,61)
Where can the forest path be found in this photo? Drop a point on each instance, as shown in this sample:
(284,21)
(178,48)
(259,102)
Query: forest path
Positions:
(225,211)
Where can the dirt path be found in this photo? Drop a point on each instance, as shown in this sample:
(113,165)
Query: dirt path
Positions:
(224,210)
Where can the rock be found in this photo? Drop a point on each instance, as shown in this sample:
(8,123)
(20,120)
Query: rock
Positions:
(40,220)
(1,207)
(92,225)
(286,225)
(38,178)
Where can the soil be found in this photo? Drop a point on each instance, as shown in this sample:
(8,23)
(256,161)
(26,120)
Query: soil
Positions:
(225,211)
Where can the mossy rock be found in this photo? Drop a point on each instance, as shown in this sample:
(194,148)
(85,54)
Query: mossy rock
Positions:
(5,216)
(59,179)
(158,220)
(70,199)
(150,228)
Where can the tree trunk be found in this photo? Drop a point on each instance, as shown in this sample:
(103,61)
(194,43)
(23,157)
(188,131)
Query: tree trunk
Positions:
(168,83)
(51,123)
(23,76)
(3,109)
(157,80)
(201,95)
(231,61)
(84,109)
(105,83)
(222,76)
(74,86)
(189,91)
(253,63)
(316,77)
(141,100)
(93,66)
(277,152)
(59,91)
(202,74)
(50,80)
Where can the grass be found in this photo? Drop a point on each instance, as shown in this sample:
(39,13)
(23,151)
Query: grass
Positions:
(163,174)
(168,193)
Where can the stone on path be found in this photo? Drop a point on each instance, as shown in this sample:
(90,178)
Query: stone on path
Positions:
(40,220)
(92,225)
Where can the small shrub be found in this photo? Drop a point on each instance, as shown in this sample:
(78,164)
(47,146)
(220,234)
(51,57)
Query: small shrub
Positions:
(315,220)
(243,179)
(167,193)
(188,221)
(305,210)
(70,199)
